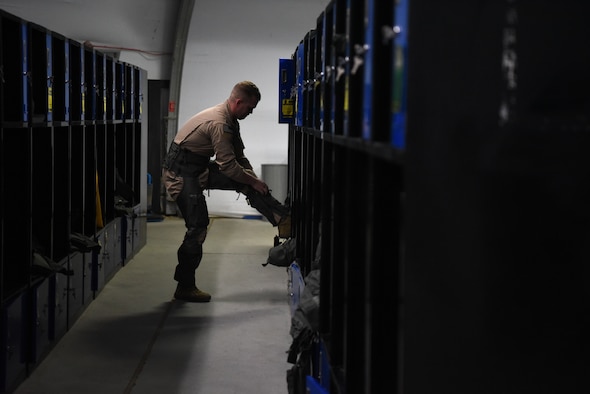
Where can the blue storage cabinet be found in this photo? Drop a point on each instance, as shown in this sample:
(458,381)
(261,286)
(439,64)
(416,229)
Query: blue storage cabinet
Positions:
(109,92)
(89,91)
(15,68)
(299,82)
(119,90)
(112,260)
(76,84)
(13,361)
(107,261)
(138,93)
(286,91)
(87,285)
(128,92)
(399,93)
(41,308)
(58,93)
(126,238)
(314,387)
(41,75)
(97,264)
(139,233)
(376,71)
(100,65)
(76,286)
(58,297)
(66,103)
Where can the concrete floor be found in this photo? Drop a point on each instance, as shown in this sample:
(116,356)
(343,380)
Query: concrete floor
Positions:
(134,338)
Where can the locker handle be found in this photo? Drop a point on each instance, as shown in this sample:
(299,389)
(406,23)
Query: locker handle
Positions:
(389,33)
(358,60)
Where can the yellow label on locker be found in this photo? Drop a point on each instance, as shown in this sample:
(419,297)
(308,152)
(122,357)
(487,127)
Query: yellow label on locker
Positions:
(287,107)
(104,104)
(346,90)
(49,99)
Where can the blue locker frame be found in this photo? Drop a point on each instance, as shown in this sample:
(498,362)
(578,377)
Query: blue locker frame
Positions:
(286,85)
(300,81)
(131,98)
(110,89)
(367,124)
(75,83)
(67,80)
(41,73)
(101,100)
(138,93)
(89,92)
(49,82)
(15,69)
(400,76)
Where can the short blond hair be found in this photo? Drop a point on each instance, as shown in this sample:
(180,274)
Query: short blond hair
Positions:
(245,89)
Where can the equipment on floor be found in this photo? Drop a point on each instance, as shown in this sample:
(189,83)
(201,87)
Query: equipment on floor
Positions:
(282,255)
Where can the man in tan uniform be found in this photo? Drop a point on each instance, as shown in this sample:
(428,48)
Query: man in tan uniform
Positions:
(188,171)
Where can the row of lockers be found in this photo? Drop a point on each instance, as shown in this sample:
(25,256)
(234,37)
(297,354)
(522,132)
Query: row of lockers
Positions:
(72,160)
(50,78)
(36,319)
(454,236)
(77,178)
(344,92)
(348,76)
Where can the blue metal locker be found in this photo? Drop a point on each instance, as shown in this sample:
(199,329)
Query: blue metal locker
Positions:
(12,363)
(89,98)
(399,94)
(131,88)
(338,66)
(109,88)
(75,81)
(40,52)
(25,72)
(15,69)
(286,85)
(58,303)
(49,79)
(41,319)
(377,74)
(139,95)
(101,98)
(319,76)
(353,69)
(367,125)
(326,120)
(314,387)
(75,287)
(67,80)
(119,94)
(299,79)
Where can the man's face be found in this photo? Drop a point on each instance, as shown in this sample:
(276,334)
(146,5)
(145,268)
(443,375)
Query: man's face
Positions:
(245,107)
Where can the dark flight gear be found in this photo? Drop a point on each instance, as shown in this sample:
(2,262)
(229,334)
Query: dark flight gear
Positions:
(267,205)
(183,162)
(187,175)
(192,204)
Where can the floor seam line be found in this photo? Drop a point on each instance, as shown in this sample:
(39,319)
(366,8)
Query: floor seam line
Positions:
(148,351)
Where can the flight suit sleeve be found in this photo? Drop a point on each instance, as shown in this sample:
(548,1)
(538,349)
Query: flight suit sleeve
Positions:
(229,163)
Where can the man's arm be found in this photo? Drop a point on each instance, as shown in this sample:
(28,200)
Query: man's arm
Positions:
(229,165)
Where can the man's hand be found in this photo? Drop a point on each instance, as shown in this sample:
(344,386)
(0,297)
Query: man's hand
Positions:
(260,186)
